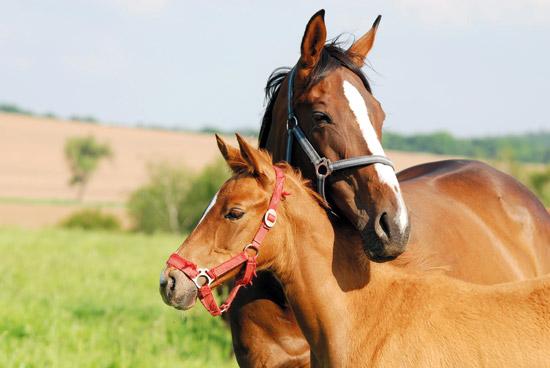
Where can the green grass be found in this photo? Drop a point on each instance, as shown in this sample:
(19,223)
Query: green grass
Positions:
(72,298)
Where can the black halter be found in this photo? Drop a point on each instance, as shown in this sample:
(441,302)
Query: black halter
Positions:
(323,166)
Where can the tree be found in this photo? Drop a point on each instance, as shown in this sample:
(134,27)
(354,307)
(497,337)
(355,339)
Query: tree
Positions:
(83,155)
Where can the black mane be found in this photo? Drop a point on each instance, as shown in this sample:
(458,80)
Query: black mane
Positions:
(332,57)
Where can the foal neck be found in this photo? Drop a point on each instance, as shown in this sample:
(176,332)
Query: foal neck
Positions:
(325,272)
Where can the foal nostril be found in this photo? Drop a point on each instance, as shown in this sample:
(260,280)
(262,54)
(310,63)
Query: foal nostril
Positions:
(382,226)
(171,283)
(177,290)
(162,280)
(167,284)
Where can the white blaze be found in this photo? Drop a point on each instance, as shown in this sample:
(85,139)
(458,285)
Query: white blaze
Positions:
(210,205)
(385,173)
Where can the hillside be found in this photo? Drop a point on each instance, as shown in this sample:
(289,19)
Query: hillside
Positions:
(34,188)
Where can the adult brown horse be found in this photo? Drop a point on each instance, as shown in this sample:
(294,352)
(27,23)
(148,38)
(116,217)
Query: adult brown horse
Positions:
(353,312)
(476,222)
(480,224)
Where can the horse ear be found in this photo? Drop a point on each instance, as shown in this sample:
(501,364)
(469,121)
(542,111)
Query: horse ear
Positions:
(313,42)
(252,156)
(231,154)
(359,50)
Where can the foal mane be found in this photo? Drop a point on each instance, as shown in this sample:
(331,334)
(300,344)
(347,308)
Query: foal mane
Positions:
(333,56)
(241,168)
(305,183)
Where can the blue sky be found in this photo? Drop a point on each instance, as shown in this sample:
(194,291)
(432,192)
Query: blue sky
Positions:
(469,67)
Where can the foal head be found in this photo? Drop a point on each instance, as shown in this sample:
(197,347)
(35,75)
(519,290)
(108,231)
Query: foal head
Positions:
(232,221)
(341,118)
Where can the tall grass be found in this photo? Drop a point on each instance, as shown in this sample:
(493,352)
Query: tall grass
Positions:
(73,298)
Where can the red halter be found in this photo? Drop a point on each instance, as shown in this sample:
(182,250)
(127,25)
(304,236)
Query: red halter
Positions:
(194,273)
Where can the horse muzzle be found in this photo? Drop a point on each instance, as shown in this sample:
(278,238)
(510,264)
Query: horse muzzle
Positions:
(383,239)
(177,290)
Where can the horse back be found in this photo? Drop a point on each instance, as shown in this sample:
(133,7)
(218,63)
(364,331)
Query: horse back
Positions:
(477,222)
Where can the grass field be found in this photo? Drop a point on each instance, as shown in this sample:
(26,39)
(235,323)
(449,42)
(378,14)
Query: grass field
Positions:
(90,299)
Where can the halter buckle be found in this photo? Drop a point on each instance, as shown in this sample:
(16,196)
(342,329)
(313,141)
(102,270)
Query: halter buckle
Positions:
(202,272)
(270,218)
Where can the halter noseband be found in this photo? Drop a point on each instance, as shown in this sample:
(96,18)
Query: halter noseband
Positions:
(323,166)
(194,273)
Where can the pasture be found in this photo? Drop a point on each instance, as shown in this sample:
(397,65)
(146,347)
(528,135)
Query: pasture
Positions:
(90,299)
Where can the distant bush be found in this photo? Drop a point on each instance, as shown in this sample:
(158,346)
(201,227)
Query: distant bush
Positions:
(203,187)
(91,219)
(247,132)
(83,118)
(175,197)
(14,109)
(539,182)
(155,206)
(534,177)
(49,115)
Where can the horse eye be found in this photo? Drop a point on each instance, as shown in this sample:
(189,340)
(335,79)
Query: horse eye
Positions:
(234,214)
(321,117)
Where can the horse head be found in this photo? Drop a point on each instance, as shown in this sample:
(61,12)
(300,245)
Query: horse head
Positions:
(337,113)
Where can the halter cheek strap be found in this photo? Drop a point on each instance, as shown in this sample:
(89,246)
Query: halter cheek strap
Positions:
(194,273)
(322,165)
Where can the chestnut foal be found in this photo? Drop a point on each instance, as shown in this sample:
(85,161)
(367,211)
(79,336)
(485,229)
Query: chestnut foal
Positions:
(353,312)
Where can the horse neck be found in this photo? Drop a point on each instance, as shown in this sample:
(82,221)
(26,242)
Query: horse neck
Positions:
(277,133)
(327,276)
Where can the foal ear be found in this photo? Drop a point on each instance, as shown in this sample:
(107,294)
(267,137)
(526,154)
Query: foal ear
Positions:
(313,42)
(256,163)
(231,154)
(359,50)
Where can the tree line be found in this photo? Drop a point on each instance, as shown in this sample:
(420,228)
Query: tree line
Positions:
(527,147)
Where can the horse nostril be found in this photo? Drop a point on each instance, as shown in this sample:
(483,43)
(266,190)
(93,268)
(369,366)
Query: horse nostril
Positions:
(383,228)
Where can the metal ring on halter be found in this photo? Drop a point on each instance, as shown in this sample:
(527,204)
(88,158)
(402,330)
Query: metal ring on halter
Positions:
(202,272)
(267,221)
(291,122)
(323,168)
(251,246)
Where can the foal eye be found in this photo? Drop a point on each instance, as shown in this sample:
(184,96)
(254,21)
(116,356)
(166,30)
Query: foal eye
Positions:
(234,214)
(320,118)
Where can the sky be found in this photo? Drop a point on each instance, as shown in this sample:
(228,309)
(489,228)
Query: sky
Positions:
(465,66)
